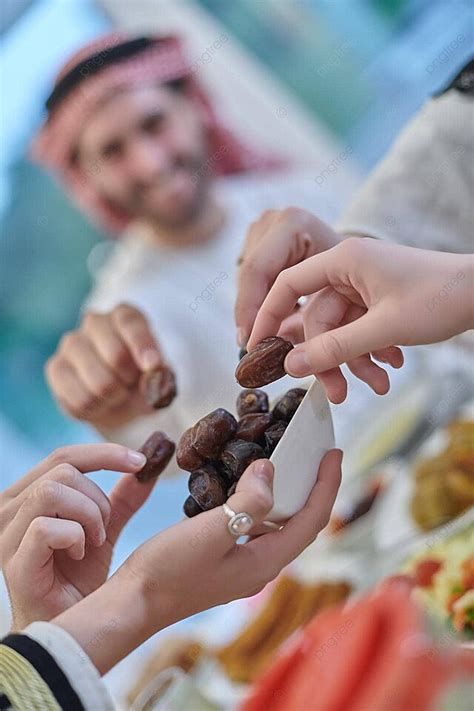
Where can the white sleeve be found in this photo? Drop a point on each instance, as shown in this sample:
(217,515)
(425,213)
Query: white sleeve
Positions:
(421,193)
(74,663)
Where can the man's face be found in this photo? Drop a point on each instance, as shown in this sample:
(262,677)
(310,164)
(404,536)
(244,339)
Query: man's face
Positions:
(144,150)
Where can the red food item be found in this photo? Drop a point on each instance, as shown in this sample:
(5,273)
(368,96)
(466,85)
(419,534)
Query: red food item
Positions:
(425,571)
(360,657)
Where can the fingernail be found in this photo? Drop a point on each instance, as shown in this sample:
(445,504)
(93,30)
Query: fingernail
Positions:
(150,359)
(138,459)
(297,364)
(264,470)
(101,537)
(241,337)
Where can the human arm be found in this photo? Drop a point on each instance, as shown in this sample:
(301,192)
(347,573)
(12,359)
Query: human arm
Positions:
(58,528)
(196,565)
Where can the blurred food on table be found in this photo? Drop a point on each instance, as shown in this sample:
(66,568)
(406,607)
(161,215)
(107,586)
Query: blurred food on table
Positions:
(290,605)
(442,576)
(444,483)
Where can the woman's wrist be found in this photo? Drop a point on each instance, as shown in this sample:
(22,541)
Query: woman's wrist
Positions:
(110,622)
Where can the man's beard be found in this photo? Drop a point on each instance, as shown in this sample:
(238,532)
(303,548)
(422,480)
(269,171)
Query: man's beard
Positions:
(139,206)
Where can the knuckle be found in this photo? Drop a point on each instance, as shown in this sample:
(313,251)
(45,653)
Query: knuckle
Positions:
(47,492)
(69,341)
(39,527)
(262,501)
(65,473)
(352,246)
(106,389)
(126,313)
(291,213)
(60,455)
(119,358)
(333,347)
(90,319)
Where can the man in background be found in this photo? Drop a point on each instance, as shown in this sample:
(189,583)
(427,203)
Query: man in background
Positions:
(137,144)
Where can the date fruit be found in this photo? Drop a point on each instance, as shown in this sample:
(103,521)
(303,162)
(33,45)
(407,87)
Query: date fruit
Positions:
(237,455)
(207,487)
(158,450)
(210,434)
(251,401)
(252,427)
(191,507)
(186,456)
(287,405)
(158,387)
(273,435)
(263,364)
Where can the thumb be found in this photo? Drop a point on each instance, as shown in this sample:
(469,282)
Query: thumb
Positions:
(126,498)
(340,345)
(253,496)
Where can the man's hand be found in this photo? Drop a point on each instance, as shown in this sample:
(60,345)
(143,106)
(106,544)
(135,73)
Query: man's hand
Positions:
(277,240)
(58,528)
(95,372)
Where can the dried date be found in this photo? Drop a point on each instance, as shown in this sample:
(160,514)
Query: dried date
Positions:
(186,456)
(251,401)
(237,455)
(158,450)
(287,405)
(210,434)
(273,435)
(207,487)
(252,427)
(158,387)
(264,363)
(191,507)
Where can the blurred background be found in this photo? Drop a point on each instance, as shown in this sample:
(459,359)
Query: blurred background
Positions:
(313,78)
(313,72)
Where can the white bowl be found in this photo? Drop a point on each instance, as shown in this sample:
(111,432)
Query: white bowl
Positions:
(297,456)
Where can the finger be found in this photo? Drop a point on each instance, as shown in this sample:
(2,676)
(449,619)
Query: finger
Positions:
(43,537)
(369,372)
(126,498)
(306,278)
(292,329)
(253,495)
(55,500)
(392,355)
(343,344)
(279,247)
(363,367)
(132,327)
(69,390)
(324,311)
(72,477)
(98,379)
(281,547)
(334,384)
(86,458)
(111,348)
